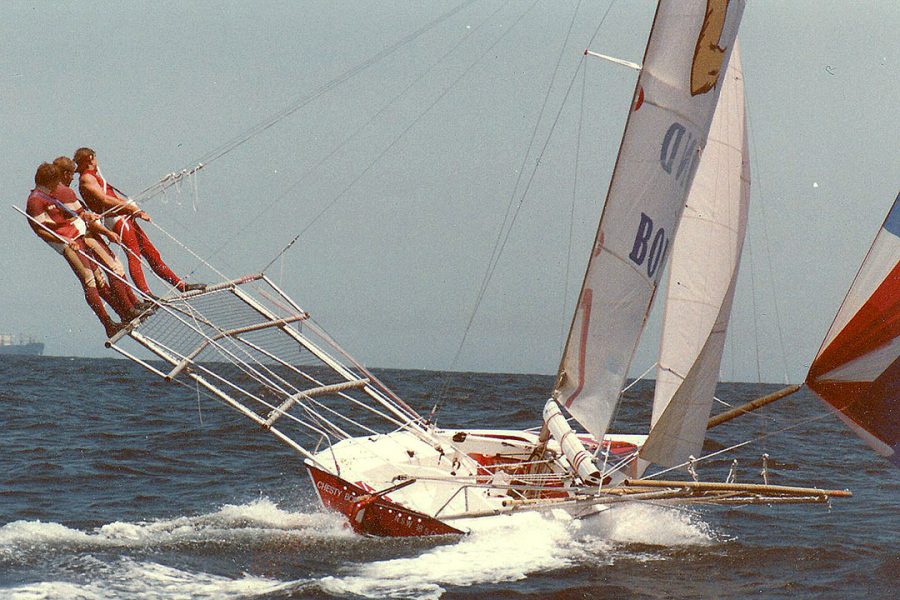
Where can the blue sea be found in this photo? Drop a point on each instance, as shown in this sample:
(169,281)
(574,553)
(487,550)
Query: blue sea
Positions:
(115,484)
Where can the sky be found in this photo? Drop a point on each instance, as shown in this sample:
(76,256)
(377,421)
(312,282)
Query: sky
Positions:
(399,197)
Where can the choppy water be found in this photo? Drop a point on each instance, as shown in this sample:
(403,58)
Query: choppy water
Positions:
(116,485)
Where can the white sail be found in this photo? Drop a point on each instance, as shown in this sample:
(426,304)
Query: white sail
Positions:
(702,275)
(674,101)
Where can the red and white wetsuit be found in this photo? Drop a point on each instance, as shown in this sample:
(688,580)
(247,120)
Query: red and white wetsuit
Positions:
(134,239)
(67,196)
(42,208)
(122,299)
(45,211)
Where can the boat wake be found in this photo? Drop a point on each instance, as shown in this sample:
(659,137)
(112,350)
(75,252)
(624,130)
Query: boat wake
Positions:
(125,560)
(258,520)
(509,548)
(127,578)
(119,559)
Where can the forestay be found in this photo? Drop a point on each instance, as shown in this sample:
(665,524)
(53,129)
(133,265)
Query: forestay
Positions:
(673,104)
(702,276)
(857,370)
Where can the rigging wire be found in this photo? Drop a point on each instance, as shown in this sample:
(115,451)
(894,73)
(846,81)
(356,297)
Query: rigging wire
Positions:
(565,304)
(500,242)
(266,124)
(762,437)
(767,247)
(354,135)
(271,121)
(755,311)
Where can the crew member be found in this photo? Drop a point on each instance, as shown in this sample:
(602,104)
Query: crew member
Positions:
(118,294)
(122,215)
(66,235)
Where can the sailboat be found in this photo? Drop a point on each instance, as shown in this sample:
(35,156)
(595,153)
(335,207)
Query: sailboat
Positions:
(678,196)
(857,369)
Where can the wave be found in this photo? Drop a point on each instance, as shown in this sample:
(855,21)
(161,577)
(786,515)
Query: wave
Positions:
(259,520)
(127,578)
(511,547)
(498,550)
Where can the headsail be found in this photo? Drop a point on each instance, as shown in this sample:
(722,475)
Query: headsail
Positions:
(705,259)
(857,371)
(674,101)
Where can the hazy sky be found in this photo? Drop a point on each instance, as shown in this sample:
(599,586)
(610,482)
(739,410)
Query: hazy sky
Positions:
(393,267)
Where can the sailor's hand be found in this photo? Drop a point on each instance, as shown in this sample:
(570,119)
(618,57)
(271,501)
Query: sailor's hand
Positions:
(89,217)
(114,237)
(143,215)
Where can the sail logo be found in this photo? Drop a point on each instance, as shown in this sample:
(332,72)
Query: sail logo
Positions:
(678,155)
(708,55)
(644,250)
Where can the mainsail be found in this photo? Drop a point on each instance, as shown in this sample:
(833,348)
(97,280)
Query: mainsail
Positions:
(702,275)
(667,128)
(857,371)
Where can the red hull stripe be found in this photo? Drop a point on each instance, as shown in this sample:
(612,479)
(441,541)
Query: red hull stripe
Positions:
(373,516)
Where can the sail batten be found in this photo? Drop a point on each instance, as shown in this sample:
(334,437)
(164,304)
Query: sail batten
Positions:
(674,100)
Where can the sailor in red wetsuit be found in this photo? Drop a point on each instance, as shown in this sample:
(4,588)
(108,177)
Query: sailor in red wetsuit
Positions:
(121,216)
(66,235)
(121,298)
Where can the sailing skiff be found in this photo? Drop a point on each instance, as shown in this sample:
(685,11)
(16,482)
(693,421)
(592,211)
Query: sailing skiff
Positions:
(679,193)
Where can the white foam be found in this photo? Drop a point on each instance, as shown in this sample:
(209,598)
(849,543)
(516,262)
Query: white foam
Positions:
(638,523)
(498,549)
(509,548)
(126,578)
(259,519)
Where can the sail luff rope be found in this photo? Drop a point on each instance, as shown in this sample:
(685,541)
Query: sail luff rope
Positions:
(755,312)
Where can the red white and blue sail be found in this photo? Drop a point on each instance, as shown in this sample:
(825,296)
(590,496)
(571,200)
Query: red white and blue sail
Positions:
(676,95)
(857,371)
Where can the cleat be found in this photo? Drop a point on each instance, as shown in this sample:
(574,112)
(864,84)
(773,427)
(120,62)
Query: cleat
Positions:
(193,287)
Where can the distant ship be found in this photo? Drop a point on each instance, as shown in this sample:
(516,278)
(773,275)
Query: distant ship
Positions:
(8,345)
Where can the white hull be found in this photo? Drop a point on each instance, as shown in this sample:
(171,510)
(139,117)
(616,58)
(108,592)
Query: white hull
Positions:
(465,474)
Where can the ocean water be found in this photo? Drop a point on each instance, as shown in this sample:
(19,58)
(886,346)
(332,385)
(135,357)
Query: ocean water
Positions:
(115,484)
